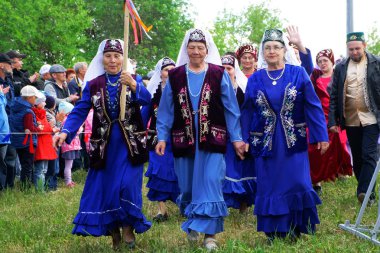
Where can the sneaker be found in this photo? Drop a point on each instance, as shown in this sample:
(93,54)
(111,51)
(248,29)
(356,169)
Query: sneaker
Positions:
(361,197)
(210,244)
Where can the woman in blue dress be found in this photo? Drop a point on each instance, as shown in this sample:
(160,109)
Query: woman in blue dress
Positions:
(280,102)
(240,181)
(112,195)
(162,183)
(197,108)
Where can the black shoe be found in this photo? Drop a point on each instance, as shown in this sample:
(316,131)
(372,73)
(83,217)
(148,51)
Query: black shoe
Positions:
(318,189)
(160,217)
(361,197)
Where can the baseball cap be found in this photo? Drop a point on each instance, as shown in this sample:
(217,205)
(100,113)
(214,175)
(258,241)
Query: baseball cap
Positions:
(4,58)
(29,91)
(45,69)
(15,54)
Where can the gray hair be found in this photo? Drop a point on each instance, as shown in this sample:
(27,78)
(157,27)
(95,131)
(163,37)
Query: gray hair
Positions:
(79,65)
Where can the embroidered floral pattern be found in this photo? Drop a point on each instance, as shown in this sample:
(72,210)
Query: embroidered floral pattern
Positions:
(203,112)
(302,129)
(287,113)
(186,115)
(270,121)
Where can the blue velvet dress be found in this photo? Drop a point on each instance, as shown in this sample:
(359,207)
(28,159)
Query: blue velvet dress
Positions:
(285,199)
(201,177)
(112,196)
(163,182)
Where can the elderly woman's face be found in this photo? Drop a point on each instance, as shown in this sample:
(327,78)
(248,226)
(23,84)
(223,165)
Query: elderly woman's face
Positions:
(274,52)
(112,62)
(197,52)
(247,61)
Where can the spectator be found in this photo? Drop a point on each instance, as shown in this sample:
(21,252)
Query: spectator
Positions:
(44,76)
(70,74)
(4,140)
(57,87)
(54,120)
(75,85)
(20,77)
(45,150)
(23,119)
(5,80)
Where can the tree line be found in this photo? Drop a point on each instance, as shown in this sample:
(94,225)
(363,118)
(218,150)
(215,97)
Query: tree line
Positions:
(65,32)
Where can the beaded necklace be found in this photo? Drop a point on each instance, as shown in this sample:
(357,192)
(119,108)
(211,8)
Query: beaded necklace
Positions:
(188,85)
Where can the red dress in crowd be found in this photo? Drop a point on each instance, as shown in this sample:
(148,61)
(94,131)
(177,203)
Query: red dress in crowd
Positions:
(337,159)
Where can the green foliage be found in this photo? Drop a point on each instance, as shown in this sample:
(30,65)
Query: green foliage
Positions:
(42,222)
(49,31)
(231,30)
(373,44)
(170,20)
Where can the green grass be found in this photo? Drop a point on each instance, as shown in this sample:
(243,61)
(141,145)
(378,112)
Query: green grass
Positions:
(42,222)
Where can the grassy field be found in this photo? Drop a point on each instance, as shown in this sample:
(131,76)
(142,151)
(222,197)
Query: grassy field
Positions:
(42,222)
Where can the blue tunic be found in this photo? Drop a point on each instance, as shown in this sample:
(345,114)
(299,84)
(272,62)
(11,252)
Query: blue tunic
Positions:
(201,199)
(162,183)
(285,198)
(111,196)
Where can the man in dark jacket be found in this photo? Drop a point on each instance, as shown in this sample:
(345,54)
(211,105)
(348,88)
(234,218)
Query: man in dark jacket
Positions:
(75,85)
(21,77)
(355,106)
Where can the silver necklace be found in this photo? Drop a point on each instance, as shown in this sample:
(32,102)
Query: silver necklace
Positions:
(188,85)
(109,82)
(275,79)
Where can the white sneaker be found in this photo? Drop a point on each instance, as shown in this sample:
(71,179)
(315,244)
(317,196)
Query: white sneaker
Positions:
(210,244)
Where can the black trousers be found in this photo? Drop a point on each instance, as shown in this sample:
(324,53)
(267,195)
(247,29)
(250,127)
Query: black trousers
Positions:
(27,162)
(10,160)
(363,143)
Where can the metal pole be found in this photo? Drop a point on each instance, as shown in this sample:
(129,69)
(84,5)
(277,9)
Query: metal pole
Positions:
(350,16)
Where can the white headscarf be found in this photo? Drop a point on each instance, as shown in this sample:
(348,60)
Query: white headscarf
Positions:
(96,67)
(213,55)
(156,78)
(241,79)
(290,55)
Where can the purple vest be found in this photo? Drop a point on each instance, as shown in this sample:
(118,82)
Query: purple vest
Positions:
(212,124)
(133,128)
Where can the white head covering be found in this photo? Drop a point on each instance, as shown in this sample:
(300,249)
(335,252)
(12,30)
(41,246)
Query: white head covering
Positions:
(290,55)
(45,69)
(96,67)
(241,79)
(155,80)
(213,55)
(65,107)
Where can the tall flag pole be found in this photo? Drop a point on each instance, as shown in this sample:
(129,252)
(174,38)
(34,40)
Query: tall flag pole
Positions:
(130,14)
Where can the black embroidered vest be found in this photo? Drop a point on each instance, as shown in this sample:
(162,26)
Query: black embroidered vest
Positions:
(212,124)
(133,128)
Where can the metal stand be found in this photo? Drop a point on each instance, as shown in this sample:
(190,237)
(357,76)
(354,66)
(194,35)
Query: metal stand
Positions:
(363,231)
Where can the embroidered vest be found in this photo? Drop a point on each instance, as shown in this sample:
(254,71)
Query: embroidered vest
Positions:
(132,127)
(212,124)
(291,116)
(152,132)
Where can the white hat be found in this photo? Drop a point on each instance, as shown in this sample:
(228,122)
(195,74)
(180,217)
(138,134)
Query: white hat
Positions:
(65,107)
(30,91)
(45,69)
(41,99)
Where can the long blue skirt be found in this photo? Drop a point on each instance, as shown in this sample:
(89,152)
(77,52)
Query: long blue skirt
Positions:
(162,183)
(112,197)
(285,198)
(200,180)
